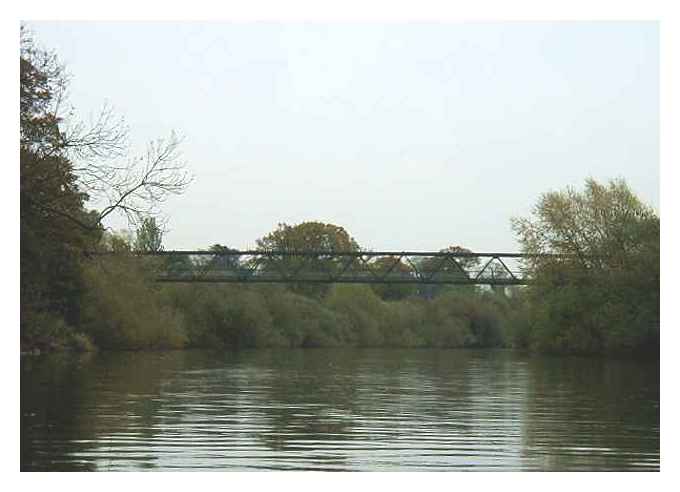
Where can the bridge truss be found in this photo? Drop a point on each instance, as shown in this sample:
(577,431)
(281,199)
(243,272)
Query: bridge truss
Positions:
(386,267)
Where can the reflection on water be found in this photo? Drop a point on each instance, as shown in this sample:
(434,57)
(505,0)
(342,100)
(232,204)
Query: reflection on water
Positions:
(338,410)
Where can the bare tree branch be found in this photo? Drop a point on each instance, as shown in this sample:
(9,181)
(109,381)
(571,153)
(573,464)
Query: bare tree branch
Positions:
(147,182)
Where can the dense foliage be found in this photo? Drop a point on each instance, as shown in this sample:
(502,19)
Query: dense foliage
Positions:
(54,225)
(146,314)
(602,295)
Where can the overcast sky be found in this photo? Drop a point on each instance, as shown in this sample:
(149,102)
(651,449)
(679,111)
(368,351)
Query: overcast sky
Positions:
(411,136)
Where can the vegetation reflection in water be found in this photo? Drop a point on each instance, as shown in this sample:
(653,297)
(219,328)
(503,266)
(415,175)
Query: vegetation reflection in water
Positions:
(338,409)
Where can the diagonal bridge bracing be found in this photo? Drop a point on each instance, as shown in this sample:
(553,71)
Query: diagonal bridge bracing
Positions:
(386,267)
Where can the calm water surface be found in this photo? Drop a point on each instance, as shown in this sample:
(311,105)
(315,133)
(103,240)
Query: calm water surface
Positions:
(317,409)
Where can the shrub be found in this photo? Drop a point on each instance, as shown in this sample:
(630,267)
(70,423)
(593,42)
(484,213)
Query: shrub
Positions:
(122,307)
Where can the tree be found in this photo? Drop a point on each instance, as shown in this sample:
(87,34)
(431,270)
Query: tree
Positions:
(119,242)
(54,225)
(149,237)
(307,236)
(392,266)
(602,293)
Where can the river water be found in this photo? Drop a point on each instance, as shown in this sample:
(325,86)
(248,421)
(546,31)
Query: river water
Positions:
(338,409)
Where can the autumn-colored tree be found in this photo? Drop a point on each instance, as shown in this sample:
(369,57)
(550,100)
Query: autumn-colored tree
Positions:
(307,237)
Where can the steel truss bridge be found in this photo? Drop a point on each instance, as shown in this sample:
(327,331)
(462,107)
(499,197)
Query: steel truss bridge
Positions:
(384,267)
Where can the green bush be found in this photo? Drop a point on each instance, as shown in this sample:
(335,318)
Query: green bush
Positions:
(122,307)
(365,311)
(600,294)
(44,331)
(148,315)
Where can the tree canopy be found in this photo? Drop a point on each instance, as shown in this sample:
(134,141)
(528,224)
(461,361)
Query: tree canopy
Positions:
(603,294)
(307,236)
(315,236)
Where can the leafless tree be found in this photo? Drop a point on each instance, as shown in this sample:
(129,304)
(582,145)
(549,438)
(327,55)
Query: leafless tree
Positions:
(139,188)
(132,186)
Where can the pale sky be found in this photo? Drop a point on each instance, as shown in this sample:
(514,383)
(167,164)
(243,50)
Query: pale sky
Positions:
(411,136)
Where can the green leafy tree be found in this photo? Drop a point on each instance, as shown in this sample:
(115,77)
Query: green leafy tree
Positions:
(603,293)
(149,237)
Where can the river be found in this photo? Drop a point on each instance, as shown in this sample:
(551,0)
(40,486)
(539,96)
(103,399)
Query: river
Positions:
(338,409)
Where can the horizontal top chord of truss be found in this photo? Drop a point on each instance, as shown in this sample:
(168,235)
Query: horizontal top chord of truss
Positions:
(292,252)
(291,266)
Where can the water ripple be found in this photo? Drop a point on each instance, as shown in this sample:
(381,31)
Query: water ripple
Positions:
(438,410)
